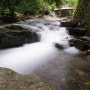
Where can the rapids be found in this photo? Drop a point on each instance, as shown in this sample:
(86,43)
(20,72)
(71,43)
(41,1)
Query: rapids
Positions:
(43,58)
(29,57)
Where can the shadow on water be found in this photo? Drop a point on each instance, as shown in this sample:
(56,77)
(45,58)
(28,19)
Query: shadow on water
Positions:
(43,58)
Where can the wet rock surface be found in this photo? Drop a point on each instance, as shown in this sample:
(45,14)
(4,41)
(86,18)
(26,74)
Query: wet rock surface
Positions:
(72,41)
(58,46)
(81,37)
(77,31)
(10,80)
(82,43)
(13,36)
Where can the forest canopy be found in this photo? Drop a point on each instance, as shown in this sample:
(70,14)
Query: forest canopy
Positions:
(31,6)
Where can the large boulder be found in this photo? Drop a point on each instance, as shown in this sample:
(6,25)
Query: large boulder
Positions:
(83,44)
(77,31)
(16,36)
(10,80)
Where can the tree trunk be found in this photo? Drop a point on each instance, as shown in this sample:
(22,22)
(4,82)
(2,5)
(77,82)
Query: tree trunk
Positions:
(82,13)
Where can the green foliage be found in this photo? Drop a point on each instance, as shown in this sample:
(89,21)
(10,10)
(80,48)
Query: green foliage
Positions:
(72,3)
(9,5)
(29,7)
(57,2)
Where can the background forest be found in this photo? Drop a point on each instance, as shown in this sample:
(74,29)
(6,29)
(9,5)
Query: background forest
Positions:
(32,7)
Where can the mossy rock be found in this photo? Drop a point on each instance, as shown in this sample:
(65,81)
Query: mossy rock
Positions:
(10,80)
(77,31)
(13,38)
(82,45)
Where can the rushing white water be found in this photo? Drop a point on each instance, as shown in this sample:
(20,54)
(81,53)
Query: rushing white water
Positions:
(28,57)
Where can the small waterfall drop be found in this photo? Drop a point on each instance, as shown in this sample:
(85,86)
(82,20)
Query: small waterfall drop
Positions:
(28,57)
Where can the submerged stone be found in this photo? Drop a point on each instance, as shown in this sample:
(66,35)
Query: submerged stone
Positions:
(59,46)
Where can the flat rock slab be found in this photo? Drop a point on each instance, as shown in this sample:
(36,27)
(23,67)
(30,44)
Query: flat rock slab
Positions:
(10,80)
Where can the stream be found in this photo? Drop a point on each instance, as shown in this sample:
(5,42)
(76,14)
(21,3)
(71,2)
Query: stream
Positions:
(42,58)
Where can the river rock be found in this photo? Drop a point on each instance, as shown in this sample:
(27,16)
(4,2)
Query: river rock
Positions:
(68,23)
(77,31)
(10,80)
(59,46)
(16,37)
(72,41)
(86,39)
(82,45)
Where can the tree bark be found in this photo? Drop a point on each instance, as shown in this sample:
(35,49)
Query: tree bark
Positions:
(82,13)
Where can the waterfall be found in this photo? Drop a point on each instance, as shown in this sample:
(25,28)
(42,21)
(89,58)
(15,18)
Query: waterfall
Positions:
(28,57)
